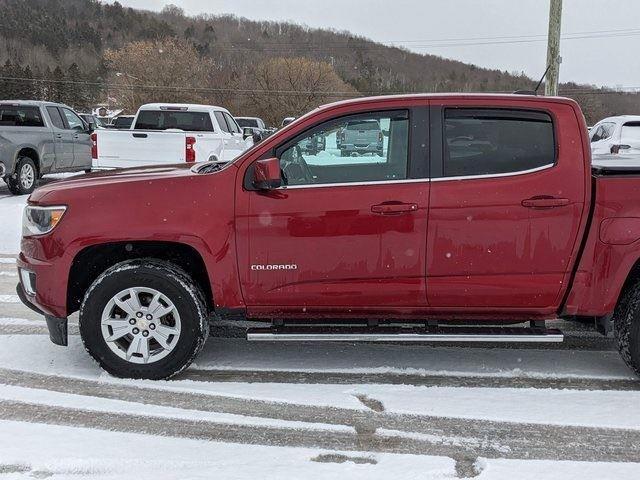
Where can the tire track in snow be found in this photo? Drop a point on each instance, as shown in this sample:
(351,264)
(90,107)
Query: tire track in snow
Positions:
(238,433)
(400,433)
(346,378)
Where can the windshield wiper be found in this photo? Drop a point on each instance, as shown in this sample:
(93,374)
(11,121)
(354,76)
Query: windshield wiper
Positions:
(210,167)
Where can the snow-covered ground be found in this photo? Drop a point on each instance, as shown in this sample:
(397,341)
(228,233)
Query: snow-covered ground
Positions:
(273,411)
(10,220)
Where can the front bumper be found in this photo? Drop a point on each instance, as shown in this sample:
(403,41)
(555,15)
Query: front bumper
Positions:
(371,148)
(42,288)
(58,327)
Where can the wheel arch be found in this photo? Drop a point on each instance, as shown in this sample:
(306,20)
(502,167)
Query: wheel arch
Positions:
(93,260)
(31,152)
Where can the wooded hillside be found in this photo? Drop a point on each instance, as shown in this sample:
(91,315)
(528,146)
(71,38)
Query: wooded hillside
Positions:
(71,51)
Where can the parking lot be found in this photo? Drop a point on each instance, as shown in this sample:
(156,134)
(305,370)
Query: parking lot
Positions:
(365,410)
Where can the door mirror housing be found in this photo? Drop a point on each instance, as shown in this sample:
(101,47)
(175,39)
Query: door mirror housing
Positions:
(247,132)
(266,174)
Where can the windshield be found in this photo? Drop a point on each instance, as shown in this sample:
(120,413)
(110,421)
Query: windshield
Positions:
(163,120)
(363,126)
(247,122)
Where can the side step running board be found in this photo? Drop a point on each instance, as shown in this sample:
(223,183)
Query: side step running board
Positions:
(402,334)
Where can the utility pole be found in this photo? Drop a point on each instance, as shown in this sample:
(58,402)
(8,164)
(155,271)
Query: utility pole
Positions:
(553,48)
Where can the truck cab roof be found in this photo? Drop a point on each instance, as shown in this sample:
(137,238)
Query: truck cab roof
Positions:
(187,107)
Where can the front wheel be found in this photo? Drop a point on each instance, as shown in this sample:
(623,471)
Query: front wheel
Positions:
(144,318)
(626,321)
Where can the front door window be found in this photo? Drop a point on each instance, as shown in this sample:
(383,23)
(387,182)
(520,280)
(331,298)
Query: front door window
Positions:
(371,147)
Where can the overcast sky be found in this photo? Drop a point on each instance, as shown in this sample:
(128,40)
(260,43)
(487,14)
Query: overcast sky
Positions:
(608,56)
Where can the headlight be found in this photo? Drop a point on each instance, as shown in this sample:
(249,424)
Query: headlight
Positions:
(40,220)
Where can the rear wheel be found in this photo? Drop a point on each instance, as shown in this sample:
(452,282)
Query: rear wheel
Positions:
(144,319)
(626,320)
(23,181)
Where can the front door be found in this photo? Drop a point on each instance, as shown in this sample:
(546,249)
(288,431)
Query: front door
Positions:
(81,140)
(347,230)
(506,206)
(228,141)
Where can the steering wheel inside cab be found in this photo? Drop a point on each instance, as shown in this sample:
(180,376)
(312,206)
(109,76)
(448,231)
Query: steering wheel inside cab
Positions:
(295,170)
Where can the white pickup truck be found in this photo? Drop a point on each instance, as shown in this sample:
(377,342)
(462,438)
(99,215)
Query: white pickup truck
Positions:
(171,133)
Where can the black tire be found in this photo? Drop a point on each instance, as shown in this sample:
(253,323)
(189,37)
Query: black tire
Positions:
(171,281)
(14,181)
(626,321)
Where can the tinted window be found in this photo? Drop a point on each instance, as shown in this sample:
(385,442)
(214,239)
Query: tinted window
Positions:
(222,122)
(485,142)
(73,120)
(247,122)
(56,119)
(630,132)
(370,125)
(123,122)
(20,116)
(233,126)
(333,152)
(162,120)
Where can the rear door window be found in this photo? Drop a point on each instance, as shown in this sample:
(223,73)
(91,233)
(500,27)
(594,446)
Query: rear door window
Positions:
(491,141)
(163,120)
(20,116)
(56,118)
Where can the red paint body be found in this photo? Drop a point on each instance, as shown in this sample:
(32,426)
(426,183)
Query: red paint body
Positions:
(438,248)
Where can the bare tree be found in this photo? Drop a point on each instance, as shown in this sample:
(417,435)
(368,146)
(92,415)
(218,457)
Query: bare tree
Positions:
(168,70)
(292,86)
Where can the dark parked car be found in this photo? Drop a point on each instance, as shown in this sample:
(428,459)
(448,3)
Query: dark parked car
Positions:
(123,122)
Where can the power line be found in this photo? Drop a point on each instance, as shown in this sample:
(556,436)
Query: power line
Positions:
(243,91)
(276,47)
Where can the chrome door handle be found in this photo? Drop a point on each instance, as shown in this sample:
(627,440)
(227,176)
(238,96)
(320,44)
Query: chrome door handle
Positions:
(545,202)
(394,208)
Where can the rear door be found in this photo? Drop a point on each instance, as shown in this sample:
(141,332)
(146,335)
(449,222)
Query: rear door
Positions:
(63,138)
(506,205)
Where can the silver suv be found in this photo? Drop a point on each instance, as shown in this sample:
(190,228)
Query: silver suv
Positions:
(39,138)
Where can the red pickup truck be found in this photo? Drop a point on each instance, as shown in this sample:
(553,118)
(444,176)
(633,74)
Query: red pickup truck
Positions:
(479,220)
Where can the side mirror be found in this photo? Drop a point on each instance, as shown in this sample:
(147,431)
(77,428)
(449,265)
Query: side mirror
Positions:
(92,126)
(266,174)
(247,132)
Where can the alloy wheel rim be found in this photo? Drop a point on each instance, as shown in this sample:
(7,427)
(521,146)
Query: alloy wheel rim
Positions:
(27,176)
(140,325)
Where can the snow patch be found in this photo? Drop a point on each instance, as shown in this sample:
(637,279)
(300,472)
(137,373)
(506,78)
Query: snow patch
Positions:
(9,299)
